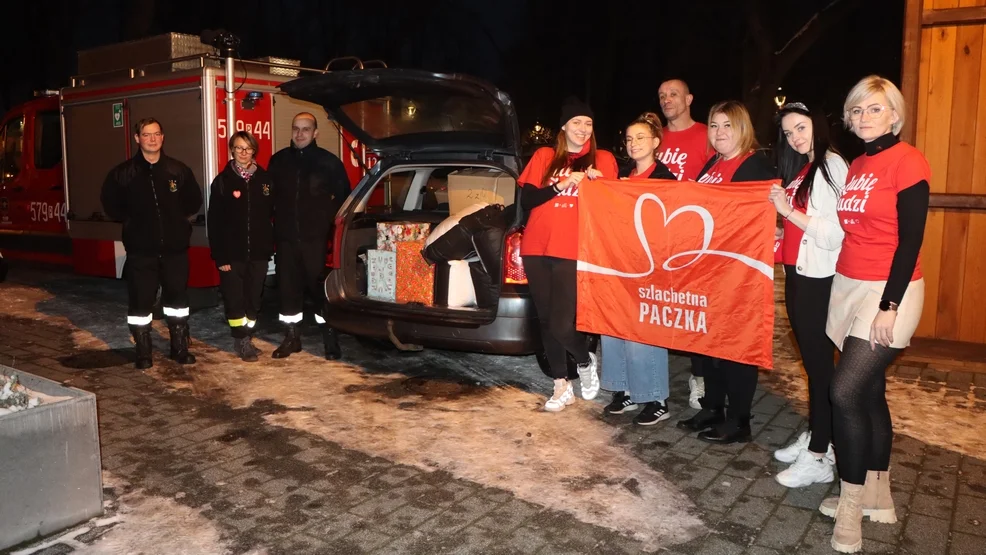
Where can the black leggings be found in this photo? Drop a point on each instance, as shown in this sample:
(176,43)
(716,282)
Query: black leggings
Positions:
(552,283)
(807,301)
(725,378)
(863,431)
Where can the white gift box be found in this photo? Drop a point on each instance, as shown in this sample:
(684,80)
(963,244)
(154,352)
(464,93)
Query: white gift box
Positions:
(381,275)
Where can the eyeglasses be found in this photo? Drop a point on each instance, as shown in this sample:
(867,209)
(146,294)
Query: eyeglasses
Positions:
(245,149)
(873,111)
(157,135)
(637,139)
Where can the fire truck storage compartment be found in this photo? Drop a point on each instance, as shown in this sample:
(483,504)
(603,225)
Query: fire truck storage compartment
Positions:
(151,50)
(94,146)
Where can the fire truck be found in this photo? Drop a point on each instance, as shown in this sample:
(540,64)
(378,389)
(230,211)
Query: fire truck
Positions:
(56,149)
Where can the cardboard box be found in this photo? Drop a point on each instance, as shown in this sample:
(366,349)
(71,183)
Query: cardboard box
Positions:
(391,233)
(415,277)
(466,187)
(381,275)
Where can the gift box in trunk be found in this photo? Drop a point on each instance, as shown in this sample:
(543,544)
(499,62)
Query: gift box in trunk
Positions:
(415,277)
(381,275)
(391,233)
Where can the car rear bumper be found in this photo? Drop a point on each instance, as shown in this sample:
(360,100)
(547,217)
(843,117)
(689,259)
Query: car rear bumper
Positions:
(515,330)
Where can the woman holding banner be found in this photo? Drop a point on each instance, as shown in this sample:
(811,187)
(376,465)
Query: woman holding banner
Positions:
(809,250)
(877,299)
(637,373)
(550,192)
(737,159)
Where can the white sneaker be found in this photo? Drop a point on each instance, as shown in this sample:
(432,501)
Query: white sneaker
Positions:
(696,390)
(558,402)
(805,471)
(790,453)
(589,378)
(830,455)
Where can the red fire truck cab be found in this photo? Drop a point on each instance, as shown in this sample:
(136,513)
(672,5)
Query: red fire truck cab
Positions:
(58,148)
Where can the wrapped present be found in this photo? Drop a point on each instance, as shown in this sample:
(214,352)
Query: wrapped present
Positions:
(381,275)
(415,278)
(391,233)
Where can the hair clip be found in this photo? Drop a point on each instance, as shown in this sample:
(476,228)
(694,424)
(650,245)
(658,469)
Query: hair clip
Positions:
(795,106)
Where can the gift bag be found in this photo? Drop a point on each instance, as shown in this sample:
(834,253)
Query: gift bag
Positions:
(382,275)
(415,278)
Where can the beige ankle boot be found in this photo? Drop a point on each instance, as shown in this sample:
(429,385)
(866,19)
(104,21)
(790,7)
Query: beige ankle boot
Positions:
(848,534)
(878,505)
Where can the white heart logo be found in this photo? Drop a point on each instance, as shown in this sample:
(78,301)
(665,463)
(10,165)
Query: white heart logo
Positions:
(708,227)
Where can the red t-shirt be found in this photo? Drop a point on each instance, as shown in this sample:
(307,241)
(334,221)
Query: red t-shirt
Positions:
(634,176)
(553,227)
(792,233)
(685,152)
(868,210)
(722,171)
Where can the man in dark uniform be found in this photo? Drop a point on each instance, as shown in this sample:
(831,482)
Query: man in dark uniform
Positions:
(310,184)
(154,196)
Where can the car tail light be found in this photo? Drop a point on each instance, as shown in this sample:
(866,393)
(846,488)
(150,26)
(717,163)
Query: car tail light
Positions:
(513,265)
(337,242)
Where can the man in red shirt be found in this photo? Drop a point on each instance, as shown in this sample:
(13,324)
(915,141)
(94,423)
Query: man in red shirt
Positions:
(684,150)
(685,147)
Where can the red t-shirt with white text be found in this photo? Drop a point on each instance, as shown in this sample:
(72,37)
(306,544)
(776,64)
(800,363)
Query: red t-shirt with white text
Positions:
(553,227)
(868,210)
(792,233)
(685,152)
(722,171)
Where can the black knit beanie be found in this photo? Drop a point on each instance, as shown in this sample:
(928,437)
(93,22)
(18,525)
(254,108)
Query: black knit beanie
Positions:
(573,107)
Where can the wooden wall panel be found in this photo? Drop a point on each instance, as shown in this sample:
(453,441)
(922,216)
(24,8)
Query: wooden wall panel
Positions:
(958,179)
(939,46)
(950,128)
(973,323)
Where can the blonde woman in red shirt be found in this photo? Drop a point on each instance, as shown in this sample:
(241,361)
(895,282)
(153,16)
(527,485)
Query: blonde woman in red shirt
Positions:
(876,303)
(736,158)
(550,191)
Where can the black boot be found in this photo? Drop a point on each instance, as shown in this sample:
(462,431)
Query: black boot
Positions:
(704,419)
(251,347)
(242,348)
(330,339)
(142,340)
(733,430)
(180,341)
(291,343)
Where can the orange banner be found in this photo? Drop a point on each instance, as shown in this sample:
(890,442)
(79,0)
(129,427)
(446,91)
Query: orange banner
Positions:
(686,266)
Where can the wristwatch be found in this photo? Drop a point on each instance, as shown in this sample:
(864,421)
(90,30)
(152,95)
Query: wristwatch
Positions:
(888,305)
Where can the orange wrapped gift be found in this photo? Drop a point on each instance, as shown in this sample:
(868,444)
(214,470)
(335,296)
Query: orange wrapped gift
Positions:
(415,278)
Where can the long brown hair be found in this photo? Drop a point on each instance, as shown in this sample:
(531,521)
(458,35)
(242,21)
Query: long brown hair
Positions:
(560,160)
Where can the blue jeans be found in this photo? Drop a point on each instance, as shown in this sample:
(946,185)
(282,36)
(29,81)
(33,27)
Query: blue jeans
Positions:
(639,369)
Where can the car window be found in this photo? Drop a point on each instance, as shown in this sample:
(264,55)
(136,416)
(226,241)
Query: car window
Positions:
(12,149)
(47,140)
(390,192)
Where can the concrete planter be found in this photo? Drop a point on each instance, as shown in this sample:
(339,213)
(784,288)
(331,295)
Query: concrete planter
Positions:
(49,463)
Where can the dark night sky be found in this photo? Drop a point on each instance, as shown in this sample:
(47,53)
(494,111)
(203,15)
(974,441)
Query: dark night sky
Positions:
(615,52)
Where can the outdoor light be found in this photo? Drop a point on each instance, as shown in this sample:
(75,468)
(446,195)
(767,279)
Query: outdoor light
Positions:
(411,109)
(780,98)
(252,99)
(539,134)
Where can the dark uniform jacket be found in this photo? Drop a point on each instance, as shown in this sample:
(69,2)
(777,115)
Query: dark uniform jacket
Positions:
(310,184)
(240,213)
(154,202)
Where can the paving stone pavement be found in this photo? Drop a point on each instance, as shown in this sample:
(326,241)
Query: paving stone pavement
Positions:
(292,492)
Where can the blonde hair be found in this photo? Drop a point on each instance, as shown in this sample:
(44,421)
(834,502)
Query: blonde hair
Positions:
(868,86)
(739,118)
